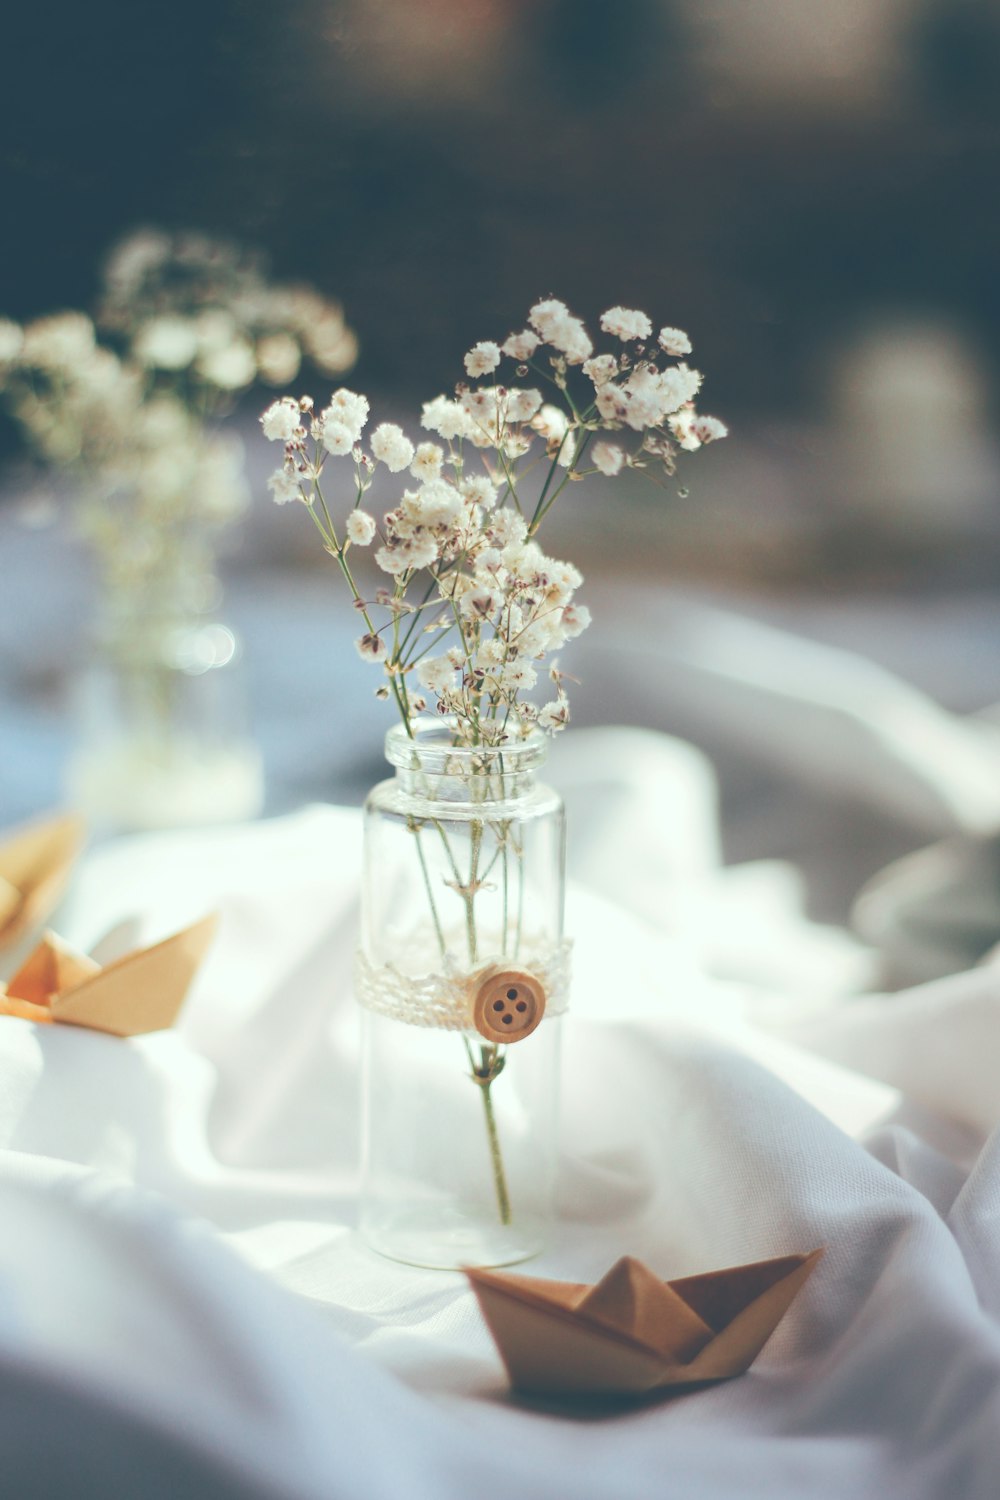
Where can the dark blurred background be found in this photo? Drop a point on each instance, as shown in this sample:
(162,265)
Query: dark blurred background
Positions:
(810,190)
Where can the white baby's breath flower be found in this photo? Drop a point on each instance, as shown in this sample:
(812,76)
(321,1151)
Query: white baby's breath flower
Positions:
(479,490)
(679,385)
(682,426)
(554,716)
(541,634)
(480,603)
(674,341)
(278,358)
(506,528)
(481,405)
(231,368)
(611,402)
(284,486)
(349,410)
(427,461)
(392,447)
(447,418)
(521,345)
(557,326)
(551,423)
(168,343)
(481,359)
(570,337)
(523,558)
(560,579)
(574,620)
(649,396)
(360,527)
(692,430)
(626,323)
(281,419)
(435,504)
(547,314)
(710,429)
(601,369)
(607,458)
(645,402)
(408,553)
(436,674)
(566,457)
(522,405)
(516,444)
(370,647)
(490,655)
(515,676)
(338,438)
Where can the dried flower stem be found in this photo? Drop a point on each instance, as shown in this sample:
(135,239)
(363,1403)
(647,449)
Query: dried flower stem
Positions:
(490,1067)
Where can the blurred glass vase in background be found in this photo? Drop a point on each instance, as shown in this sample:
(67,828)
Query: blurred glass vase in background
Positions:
(162,736)
(130,404)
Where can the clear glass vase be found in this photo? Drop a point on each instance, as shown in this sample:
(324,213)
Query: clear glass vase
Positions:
(162,739)
(462,977)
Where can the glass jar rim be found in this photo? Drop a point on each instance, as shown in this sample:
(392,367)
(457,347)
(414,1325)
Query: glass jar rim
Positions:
(429,747)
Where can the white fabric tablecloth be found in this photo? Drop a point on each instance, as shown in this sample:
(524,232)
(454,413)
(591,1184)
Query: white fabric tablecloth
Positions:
(185,1308)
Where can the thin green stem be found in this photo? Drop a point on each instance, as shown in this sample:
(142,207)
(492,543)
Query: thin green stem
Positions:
(504,891)
(520,900)
(414,828)
(533,523)
(484,1075)
(469,894)
(416,614)
(499,1176)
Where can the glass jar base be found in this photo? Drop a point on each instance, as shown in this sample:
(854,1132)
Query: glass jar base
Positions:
(418,1238)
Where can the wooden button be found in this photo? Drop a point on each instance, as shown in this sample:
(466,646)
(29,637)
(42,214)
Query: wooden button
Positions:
(508,1006)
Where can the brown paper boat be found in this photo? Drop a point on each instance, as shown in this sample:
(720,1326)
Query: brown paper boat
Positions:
(143,991)
(632,1334)
(35,862)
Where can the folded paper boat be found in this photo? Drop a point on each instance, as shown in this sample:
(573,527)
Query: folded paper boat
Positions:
(35,862)
(632,1334)
(143,991)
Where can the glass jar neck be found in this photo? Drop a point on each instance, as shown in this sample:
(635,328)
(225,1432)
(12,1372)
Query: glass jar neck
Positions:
(429,763)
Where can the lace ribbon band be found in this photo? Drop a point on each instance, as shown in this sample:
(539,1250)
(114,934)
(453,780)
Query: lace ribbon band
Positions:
(446,1000)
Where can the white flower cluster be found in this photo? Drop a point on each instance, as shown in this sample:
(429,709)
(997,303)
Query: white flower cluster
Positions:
(156,485)
(496,601)
(184,323)
(200,314)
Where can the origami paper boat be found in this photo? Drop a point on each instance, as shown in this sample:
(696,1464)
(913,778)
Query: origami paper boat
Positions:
(632,1334)
(35,862)
(143,991)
